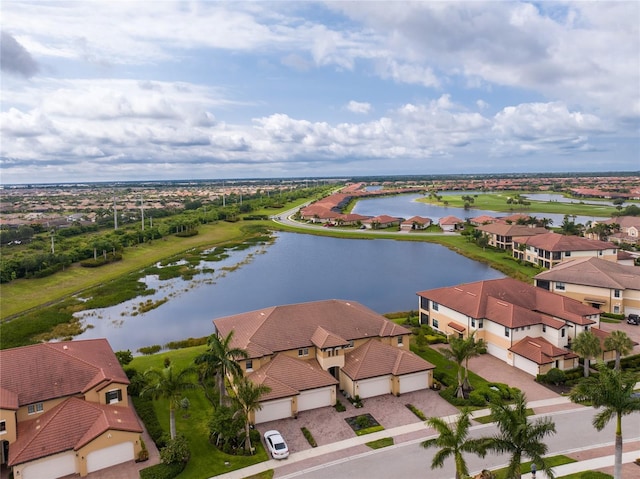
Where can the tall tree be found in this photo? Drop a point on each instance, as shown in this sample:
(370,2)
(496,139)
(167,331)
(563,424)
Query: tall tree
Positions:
(169,384)
(247,398)
(519,437)
(619,342)
(457,352)
(474,349)
(453,441)
(612,391)
(220,359)
(587,345)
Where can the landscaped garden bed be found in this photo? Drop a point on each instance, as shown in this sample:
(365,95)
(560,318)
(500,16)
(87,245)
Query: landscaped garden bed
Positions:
(364,424)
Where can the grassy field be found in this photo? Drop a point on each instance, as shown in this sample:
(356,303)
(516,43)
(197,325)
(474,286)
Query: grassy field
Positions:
(498,202)
(206,461)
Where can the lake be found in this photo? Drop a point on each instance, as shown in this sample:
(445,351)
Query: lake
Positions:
(383,275)
(406,206)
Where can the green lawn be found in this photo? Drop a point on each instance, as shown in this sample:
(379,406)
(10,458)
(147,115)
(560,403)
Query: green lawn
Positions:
(525,467)
(206,460)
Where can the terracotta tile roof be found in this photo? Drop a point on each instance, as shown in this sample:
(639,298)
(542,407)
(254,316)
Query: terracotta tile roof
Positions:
(539,350)
(504,229)
(483,219)
(511,303)
(287,376)
(70,425)
(457,327)
(594,272)
(325,339)
(417,219)
(53,370)
(624,221)
(374,359)
(282,328)
(558,242)
(352,217)
(450,220)
(8,399)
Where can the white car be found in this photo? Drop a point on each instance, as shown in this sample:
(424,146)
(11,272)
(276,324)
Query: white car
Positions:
(276,445)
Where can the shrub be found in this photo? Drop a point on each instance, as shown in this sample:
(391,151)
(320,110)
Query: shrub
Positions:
(176,451)
(309,437)
(340,407)
(149,350)
(419,414)
(162,471)
(124,357)
(555,376)
(144,408)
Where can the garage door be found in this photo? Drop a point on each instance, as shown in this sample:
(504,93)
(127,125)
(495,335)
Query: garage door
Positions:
(59,465)
(272,410)
(414,382)
(315,398)
(110,456)
(526,365)
(374,387)
(496,351)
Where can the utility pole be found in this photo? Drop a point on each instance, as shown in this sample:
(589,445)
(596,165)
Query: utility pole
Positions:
(115,214)
(53,246)
(142,211)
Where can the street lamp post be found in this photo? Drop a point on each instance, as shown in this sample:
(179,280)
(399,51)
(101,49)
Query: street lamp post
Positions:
(533,471)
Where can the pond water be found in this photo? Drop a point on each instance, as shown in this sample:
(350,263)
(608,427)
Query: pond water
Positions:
(406,206)
(561,199)
(383,275)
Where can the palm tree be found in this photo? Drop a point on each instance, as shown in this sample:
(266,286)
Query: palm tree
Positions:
(519,437)
(168,384)
(474,349)
(611,390)
(587,345)
(453,441)
(619,342)
(457,352)
(220,359)
(247,397)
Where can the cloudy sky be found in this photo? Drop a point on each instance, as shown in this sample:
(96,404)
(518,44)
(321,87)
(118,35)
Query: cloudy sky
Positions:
(114,90)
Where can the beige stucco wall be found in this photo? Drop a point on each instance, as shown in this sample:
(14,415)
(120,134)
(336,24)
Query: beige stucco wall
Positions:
(98,395)
(107,439)
(9,418)
(23,414)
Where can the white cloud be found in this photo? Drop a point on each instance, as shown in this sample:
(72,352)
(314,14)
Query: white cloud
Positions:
(358,107)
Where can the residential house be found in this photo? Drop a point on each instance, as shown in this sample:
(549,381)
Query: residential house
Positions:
(415,223)
(605,285)
(483,220)
(64,410)
(629,229)
(549,249)
(450,224)
(382,221)
(525,326)
(305,351)
(351,219)
(500,235)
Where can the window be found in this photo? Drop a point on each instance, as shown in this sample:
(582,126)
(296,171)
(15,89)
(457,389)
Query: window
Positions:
(473,322)
(399,340)
(562,332)
(424,318)
(616,309)
(616,293)
(114,396)
(303,352)
(435,323)
(506,332)
(434,305)
(3,427)
(249,364)
(424,303)
(544,328)
(34,408)
(350,345)
(567,254)
(560,286)
(586,328)
(480,323)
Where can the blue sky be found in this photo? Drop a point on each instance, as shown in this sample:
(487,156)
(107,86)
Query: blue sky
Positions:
(114,90)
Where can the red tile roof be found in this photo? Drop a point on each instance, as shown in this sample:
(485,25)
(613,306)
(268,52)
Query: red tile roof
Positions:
(52,370)
(594,272)
(282,328)
(325,339)
(539,350)
(511,303)
(287,376)
(374,359)
(69,425)
(450,220)
(504,229)
(558,242)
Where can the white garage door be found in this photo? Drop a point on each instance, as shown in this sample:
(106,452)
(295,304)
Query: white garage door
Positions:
(272,410)
(496,351)
(59,465)
(315,398)
(110,456)
(414,382)
(374,387)
(526,365)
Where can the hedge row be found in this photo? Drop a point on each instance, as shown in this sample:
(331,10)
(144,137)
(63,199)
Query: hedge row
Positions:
(147,413)
(162,471)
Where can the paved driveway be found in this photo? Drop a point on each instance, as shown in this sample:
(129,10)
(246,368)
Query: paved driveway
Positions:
(327,425)
(631,330)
